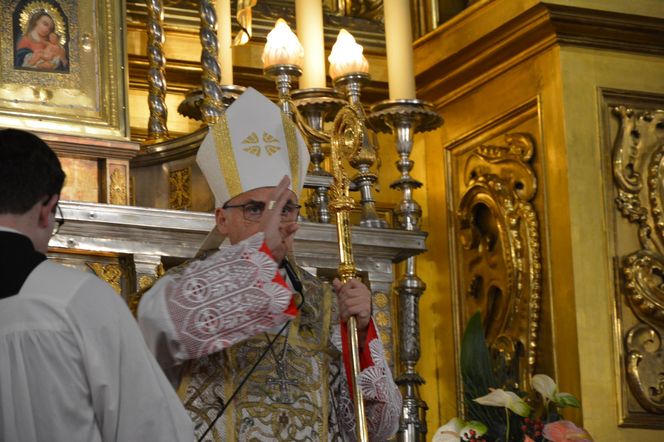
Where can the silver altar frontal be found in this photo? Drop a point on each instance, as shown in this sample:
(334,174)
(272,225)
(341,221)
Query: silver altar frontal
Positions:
(129,247)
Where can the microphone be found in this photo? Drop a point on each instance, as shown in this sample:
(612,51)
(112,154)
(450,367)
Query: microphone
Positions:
(297,286)
(292,275)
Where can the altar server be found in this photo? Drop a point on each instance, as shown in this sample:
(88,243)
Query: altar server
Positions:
(73,363)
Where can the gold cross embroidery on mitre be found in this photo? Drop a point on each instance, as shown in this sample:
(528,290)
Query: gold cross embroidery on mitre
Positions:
(270,143)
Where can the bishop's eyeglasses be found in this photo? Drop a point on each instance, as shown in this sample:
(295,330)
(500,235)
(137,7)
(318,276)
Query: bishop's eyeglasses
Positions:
(253,210)
(59,219)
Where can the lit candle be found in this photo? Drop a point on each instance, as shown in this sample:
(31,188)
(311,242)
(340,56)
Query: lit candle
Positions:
(309,22)
(224,39)
(282,46)
(399,43)
(346,56)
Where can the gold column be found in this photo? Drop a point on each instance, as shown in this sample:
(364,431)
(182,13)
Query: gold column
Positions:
(157,130)
(212,93)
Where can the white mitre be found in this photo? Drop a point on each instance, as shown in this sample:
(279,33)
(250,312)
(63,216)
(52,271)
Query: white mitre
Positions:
(253,145)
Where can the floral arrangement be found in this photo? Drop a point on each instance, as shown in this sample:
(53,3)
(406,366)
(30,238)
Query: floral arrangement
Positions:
(506,414)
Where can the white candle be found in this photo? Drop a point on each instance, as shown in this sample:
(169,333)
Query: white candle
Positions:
(282,46)
(224,41)
(309,22)
(346,56)
(399,43)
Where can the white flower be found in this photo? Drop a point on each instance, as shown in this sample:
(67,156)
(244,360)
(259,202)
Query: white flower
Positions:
(449,432)
(545,386)
(507,399)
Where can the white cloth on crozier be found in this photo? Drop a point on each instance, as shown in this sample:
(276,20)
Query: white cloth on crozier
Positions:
(73,366)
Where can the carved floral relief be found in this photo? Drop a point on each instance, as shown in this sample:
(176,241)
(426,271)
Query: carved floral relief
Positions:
(500,258)
(638,175)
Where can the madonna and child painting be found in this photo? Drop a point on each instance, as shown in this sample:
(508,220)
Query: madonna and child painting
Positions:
(40,37)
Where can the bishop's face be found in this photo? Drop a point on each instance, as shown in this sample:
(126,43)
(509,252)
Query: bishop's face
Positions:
(240,218)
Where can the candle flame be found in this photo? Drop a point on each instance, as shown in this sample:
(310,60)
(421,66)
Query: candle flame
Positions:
(346,56)
(282,46)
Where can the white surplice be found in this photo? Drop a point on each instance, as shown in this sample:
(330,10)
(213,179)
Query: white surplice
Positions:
(74,366)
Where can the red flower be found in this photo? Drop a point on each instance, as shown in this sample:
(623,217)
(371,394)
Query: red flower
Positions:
(562,431)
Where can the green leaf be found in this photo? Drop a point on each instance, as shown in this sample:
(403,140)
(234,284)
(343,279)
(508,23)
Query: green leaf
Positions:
(475,359)
(567,400)
(478,377)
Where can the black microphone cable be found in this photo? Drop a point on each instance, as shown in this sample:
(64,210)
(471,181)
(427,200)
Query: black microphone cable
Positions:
(297,286)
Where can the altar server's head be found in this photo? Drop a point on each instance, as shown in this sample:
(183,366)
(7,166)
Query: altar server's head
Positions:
(31,179)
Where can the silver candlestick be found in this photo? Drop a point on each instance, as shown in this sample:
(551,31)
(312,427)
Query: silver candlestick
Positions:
(404,118)
(283,76)
(190,107)
(316,106)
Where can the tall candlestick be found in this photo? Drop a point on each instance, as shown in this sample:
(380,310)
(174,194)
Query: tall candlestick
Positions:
(309,22)
(399,42)
(224,38)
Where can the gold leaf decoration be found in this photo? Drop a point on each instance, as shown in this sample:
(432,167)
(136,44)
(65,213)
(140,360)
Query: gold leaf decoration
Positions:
(118,187)
(254,150)
(500,257)
(638,171)
(268,138)
(251,139)
(179,195)
(111,273)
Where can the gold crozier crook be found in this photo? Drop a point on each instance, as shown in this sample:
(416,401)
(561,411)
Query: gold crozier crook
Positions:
(347,137)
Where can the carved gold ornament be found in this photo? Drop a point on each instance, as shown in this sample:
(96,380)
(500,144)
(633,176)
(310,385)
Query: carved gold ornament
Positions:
(111,273)
(638,171)
(179,195)
(118,187)
(145,281)
(501,258)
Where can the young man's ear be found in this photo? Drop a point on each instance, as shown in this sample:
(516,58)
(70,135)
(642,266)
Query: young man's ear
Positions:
(221,220)
(46,209)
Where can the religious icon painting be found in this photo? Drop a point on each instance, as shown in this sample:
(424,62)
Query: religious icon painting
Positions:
(41,36)
(62,67)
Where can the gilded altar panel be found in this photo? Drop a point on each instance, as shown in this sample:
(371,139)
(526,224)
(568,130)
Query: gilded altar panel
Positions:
(497,247)
(115,182)
(62,67)
(597,224)
(508,124)
(633,156)
(494,57)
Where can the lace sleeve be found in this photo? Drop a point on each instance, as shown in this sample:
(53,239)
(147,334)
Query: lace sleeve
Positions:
(227,297)
(382,398)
